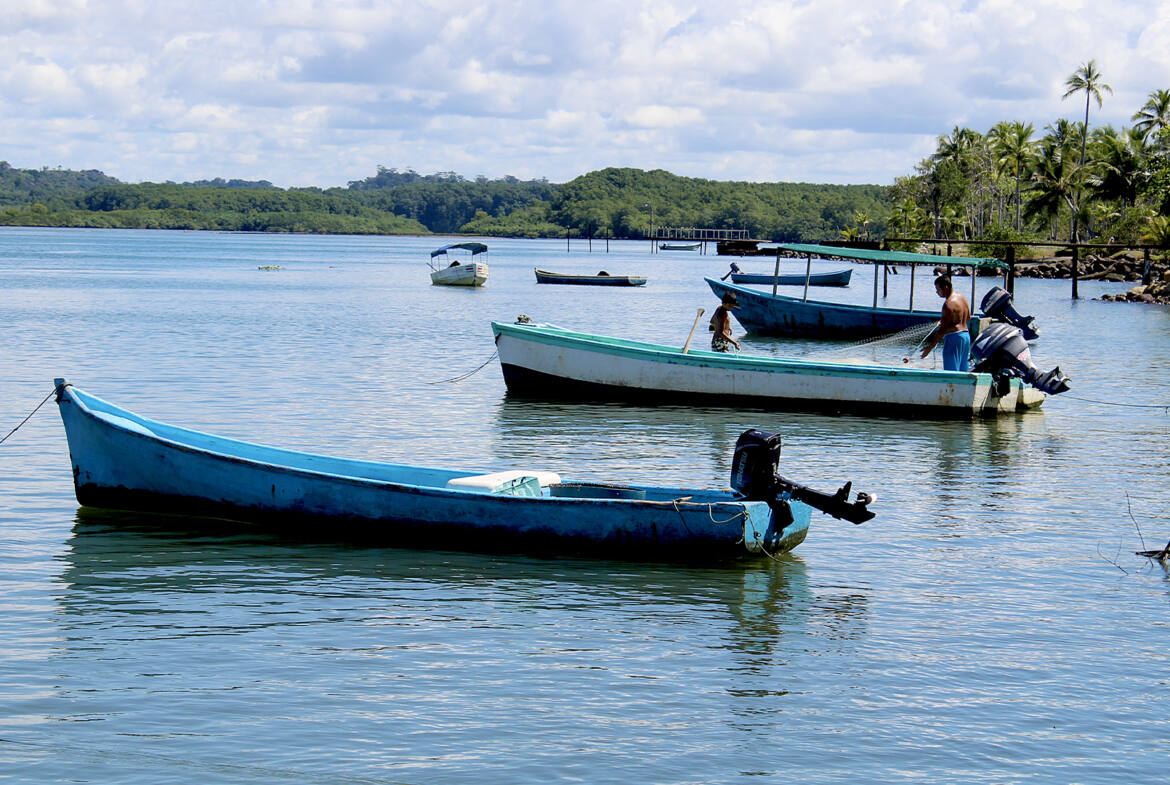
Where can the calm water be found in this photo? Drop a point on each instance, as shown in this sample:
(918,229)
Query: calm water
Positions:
(979,630)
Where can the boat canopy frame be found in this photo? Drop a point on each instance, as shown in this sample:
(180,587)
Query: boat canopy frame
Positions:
(475,248)
(881,259)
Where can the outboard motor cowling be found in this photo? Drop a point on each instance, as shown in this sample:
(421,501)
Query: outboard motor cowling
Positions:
(1002,351)
(755,463)
(997,305)
(753,474)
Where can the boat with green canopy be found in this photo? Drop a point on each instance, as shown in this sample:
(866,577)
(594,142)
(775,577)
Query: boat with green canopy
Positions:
(762,313)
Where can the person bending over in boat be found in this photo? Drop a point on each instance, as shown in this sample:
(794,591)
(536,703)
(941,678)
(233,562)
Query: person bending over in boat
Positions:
(951,329)
(721,325)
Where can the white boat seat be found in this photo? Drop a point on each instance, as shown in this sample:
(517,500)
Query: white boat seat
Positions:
(508,482)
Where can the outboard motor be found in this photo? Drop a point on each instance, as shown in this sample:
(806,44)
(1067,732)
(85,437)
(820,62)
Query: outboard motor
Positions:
(753,473)
(997,305)
(1002,351)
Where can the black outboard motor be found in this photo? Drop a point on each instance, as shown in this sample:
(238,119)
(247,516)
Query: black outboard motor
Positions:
(997,305)
(753,473)
(1002,351)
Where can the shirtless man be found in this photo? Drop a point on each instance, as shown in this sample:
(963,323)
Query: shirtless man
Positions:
(721,325)
(952,327)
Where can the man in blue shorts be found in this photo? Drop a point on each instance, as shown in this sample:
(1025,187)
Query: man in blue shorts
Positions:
(952,327)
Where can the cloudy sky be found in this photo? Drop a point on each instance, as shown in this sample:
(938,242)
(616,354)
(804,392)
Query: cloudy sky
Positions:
(307,92)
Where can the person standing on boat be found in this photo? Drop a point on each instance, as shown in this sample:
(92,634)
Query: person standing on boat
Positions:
(721,325)
(952,327)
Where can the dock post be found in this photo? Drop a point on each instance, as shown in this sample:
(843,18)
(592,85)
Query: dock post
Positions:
(913,269)
(776,274)
(885,280)
(1076,270)
(807,274)
(567,233)
(1146,269)
(876,275)
(1011,271)
(949,269)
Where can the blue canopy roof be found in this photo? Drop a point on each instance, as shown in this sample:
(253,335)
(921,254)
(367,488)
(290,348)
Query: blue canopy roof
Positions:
(475,248)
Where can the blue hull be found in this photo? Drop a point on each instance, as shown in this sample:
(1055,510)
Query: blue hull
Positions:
(123,461)
(834,278)
(763,313)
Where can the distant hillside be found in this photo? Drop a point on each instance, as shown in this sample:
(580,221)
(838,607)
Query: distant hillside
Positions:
(47,186)
(620,203)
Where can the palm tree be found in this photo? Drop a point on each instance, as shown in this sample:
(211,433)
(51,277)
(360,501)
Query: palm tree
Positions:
(1054,184)
(1118,164)
(1014,148)
(1158,232)
(1087,80)
(1155,114)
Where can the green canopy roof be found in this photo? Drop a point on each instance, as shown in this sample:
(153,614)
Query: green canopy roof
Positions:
(475,248)
(891,257)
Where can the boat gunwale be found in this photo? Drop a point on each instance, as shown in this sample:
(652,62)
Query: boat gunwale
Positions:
(704,358)
(77,398)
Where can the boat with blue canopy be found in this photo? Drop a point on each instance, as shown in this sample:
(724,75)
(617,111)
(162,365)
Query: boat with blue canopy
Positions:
(122,460)
(762,313)
(467,272)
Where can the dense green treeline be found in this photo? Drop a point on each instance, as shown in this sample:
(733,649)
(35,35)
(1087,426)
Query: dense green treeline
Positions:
(170,206)
(445,202)
(617,202)
(623,202)
(56,187)
(1070,182)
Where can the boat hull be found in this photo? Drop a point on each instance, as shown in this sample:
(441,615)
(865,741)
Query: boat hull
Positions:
(834,278)
(544,276)
(763,313)
(469,274)
(123,461)
(542,361)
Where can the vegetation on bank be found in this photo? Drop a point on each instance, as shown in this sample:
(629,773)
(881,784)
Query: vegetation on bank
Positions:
(618,203)
(1013,183)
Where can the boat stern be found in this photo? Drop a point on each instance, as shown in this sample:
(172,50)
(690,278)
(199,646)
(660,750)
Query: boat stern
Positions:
(773,529)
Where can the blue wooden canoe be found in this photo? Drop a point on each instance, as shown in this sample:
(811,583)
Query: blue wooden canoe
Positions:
(601,279)
(124,461)
(831,278)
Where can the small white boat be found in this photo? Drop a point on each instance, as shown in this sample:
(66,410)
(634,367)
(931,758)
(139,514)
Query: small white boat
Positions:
(459,273)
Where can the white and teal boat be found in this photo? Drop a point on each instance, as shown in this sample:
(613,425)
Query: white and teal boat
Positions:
(547,361)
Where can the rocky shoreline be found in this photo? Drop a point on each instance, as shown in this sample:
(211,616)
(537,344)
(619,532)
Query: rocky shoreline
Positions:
(1118,268)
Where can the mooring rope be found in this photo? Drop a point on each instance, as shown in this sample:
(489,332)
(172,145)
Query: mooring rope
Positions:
(463,376)
(30,414)
(1163,406)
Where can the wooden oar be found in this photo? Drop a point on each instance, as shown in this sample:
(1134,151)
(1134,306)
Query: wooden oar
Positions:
(695,326)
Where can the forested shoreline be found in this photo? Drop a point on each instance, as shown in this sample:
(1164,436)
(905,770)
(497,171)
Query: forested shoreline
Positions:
(619,203)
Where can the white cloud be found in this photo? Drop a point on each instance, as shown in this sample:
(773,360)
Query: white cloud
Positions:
(309,92)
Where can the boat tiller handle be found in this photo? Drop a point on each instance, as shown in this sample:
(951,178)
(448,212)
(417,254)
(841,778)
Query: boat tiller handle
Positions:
(835,504)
